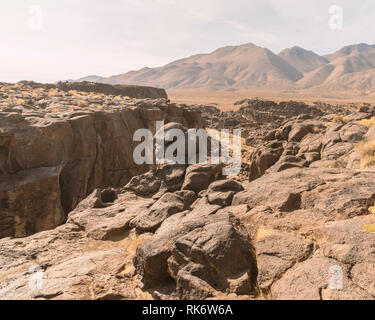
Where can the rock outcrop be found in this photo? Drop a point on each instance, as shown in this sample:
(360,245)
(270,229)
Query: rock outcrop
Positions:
(56,148)
(131,91)
(106,249)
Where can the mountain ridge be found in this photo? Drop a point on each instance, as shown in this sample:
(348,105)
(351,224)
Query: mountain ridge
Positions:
(250,66)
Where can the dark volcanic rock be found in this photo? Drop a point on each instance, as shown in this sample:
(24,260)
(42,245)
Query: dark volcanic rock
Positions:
(139,92)
(50,162)
(212,248)
(221,192)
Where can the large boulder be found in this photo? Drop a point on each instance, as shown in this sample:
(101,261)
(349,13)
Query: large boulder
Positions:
(169,204)
(200,249)
(277,253)
(199,176)
(221,192)
(281,190)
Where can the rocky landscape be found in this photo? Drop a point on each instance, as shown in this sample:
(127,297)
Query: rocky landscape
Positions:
(75,209)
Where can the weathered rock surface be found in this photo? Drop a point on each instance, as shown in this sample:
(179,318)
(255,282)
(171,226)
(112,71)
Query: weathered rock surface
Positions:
(138,92)
(57,147)
(301,228)
(196,251)
(210,247)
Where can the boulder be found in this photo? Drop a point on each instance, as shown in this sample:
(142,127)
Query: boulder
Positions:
(263,158)
(169,204)
(221,192)
(277,253)
(199,249)
(199,176)
(281,190)
(310,280)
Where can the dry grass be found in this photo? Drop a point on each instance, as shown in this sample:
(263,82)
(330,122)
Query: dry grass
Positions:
(52,93)
(82,104)
(340,118)
(264,232)
(366,149)
(367,122)
(369,228)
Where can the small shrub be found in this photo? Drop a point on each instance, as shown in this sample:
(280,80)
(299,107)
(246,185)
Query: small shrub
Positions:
(52,93)
(367,122)
(20,101)
(82,104)
(369,228)
(340,118)
(366,150)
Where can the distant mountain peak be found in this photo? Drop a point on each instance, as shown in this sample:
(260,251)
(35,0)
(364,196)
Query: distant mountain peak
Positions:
(301,59)
(251,66)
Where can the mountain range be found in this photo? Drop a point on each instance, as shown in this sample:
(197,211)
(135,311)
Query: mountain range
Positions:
(250,66)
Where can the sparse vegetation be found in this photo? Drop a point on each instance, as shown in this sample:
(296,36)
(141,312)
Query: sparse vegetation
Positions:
(340,118)
(52,93)
(369,228)
(367,122)
(366,149)
(82,104)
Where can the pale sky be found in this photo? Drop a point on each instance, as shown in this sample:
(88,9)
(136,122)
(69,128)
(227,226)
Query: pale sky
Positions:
(106,37)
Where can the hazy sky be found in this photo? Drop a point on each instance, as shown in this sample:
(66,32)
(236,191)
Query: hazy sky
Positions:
(81,37)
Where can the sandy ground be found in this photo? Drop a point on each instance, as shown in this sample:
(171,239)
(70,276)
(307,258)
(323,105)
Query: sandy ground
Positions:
(225,99)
